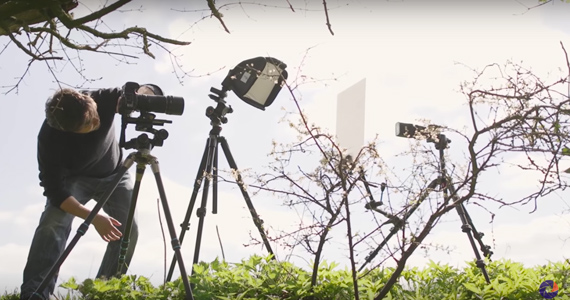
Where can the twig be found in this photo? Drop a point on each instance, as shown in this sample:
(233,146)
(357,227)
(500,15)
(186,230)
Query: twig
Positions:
(23,48)
(327,17)
(567,65)
(290,6)
(533,7)
(221,245)
(217,14)
(100,13)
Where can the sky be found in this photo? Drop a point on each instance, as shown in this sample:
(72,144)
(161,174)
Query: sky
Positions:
(413,55)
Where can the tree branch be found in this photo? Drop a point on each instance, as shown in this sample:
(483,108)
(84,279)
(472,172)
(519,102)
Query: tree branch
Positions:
(27,51)
(567,66)
(217,14)
(99,14)
(329,26)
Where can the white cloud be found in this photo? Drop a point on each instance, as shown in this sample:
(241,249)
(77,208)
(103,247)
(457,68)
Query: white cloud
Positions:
(12,269)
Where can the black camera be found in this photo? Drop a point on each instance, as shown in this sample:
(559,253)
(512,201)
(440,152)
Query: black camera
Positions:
(132,101)
(408,130)
(431,133)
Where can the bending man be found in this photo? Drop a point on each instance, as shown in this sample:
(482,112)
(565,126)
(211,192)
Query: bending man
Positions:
(78,156)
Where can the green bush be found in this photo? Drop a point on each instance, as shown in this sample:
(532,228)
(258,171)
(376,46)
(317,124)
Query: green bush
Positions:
(262,278)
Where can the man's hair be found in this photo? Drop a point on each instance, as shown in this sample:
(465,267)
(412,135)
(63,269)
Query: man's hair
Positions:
(69,110)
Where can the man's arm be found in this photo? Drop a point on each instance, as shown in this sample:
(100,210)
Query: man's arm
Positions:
(105,226)
(51,178)
(50,149)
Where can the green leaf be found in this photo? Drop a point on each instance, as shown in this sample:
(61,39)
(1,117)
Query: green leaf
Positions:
(70,284)
(472,287)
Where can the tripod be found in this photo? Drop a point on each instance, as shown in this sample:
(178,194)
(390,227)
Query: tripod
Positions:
(467,226)
(208,170)
(143,144)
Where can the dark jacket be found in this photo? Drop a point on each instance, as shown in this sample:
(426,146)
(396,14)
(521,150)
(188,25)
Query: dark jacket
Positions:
(95,154)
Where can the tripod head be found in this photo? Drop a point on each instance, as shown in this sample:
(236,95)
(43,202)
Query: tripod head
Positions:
(217,115)
(144,122)
(441,141)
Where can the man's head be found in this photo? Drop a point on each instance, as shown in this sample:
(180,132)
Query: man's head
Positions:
(69,110)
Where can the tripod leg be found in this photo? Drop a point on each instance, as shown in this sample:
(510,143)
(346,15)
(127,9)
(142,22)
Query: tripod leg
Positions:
(201,211)
(375,252)
(215,182)
(450,191)
(126,235)
(399,223)
(168,217)
(256,219)
(186,223)
(465,227)
(478,235)
(85,225)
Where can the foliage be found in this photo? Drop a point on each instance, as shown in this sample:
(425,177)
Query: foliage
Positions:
(263,278)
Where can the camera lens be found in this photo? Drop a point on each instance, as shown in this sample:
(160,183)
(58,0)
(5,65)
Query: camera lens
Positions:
(161,104)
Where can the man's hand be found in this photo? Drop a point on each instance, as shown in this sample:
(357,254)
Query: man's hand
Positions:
(145,90)
(106,227)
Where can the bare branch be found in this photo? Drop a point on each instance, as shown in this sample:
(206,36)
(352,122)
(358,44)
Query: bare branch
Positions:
(217,14)
(541,3)
(98,14)
(290,6)
(329,26)
(567,66)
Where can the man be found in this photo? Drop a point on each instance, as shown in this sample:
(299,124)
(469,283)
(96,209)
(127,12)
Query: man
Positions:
(78,156)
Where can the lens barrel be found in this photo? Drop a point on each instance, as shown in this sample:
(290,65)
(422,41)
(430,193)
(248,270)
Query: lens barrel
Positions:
(170,105)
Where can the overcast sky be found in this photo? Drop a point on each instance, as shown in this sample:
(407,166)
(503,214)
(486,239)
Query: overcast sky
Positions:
(412,55)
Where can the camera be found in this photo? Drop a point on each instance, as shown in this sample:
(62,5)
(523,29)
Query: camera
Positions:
(431,133)
(132,101)
(408,130)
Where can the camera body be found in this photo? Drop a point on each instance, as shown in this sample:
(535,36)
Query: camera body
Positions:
(431,133)
(131,101)
(408,130)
